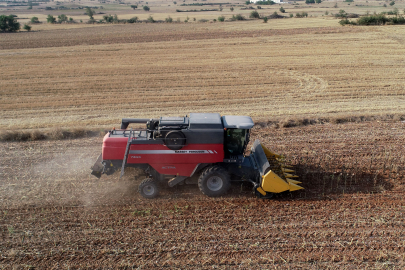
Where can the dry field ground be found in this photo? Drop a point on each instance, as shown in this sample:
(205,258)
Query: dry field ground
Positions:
(54,215)
(350,215)
(92,78)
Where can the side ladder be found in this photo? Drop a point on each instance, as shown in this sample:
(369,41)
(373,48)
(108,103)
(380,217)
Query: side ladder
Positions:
(124,162)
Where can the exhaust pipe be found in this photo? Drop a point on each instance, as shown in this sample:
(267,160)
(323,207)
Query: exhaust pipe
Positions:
(126,121)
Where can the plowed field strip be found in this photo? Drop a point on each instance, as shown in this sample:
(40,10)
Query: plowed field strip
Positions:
(148,33)
(115,235)
(350,215)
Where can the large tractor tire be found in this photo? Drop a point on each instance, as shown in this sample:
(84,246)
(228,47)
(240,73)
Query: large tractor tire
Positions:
(148,188)
(214,181)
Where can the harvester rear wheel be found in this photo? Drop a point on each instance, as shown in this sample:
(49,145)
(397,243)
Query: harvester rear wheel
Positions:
(214,181)
(148,188)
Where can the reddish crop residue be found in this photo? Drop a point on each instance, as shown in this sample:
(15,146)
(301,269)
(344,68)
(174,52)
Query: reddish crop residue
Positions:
(350,215)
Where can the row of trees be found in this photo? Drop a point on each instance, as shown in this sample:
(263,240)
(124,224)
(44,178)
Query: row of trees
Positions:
(313,1)
(375,19)
(89,12)
(146,8)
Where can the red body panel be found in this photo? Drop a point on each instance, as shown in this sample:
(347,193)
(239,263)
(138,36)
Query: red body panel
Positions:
(173,162)
(114,148)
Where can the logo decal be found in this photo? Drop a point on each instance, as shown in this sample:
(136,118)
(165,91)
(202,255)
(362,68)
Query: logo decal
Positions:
(172,152)
(168,167)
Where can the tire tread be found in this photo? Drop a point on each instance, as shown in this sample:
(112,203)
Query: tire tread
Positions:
(214,170)
(148,181)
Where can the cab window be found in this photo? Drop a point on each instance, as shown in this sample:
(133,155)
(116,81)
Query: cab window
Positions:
(235,141)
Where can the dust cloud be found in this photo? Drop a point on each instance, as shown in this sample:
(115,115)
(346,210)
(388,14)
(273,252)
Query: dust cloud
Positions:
(42,174)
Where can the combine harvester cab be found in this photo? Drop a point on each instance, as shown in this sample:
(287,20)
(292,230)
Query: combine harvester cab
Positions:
(204,149)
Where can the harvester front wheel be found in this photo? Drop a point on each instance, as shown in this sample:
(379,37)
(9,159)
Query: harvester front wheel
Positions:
(214,181)
(148,188)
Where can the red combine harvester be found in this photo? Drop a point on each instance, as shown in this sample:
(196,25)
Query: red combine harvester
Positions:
(203,148)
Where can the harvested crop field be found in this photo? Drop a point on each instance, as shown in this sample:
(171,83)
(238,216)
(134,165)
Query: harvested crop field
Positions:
(72,78)
(350,215)
(330,98)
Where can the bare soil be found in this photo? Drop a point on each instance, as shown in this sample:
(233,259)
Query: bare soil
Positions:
(116,34)
(54,215)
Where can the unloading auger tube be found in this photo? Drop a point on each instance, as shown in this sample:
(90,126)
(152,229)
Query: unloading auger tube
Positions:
(204,148)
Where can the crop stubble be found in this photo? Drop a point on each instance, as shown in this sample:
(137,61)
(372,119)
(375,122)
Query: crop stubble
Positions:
(66,78)
(54,214)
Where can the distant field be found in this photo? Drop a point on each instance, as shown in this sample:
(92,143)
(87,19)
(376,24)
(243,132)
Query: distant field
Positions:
(92,77)
(160,9)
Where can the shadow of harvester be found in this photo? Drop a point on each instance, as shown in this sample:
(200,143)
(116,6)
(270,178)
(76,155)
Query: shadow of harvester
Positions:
(318,181)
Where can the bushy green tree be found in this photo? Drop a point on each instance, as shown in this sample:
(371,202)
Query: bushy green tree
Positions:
(254,14)
(221,18)
(341,14)
(62,18)
(133,20)
(9,23)
(265,19)
(392,3)
(27,27)
(90,13)
(108,18)
(34,20)
(150,19)
(282,10)
(301,15)
(146,8)
(231,9)
(50,19)
(238,17)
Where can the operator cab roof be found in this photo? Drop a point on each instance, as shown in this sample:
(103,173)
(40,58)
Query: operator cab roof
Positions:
(215,121)
(205,120)
(237,121)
